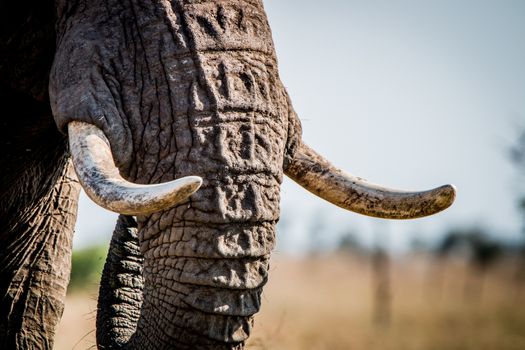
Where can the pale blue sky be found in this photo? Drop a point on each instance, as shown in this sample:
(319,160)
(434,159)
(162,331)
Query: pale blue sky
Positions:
(411,94)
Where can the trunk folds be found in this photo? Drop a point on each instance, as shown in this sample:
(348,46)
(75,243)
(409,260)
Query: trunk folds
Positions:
(120,294)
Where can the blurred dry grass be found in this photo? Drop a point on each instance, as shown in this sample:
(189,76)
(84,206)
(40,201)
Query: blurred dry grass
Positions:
(326,302)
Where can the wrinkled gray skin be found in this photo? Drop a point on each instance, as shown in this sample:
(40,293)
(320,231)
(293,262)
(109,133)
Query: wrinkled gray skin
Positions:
(186,88)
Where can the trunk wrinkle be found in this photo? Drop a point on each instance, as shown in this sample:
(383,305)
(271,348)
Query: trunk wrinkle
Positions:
(120,294)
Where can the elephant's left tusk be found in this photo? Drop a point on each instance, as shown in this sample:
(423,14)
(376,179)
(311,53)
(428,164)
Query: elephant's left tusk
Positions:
(318,176)
(103,183)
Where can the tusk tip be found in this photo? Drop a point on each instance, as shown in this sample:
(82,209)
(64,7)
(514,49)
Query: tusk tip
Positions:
(184,187)
(193,183)
(445,196)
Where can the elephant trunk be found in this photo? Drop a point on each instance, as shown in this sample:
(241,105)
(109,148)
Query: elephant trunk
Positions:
(121,285)
(203,275)
(202,284)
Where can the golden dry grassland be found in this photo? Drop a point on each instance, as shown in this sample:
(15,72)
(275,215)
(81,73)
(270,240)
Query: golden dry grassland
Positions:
(327,302)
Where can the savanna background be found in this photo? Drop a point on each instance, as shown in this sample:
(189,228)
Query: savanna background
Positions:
(407,93)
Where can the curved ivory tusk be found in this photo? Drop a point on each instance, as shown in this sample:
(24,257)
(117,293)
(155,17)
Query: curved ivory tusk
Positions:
(318,176)
(102,182)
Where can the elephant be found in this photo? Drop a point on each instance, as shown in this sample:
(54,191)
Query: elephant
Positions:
(171,113)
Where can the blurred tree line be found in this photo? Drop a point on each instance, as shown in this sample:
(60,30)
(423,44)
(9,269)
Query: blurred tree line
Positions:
(86,270)
(517,154)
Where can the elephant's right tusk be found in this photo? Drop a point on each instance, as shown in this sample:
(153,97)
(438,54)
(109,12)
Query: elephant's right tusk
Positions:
(103,183)
(318,176)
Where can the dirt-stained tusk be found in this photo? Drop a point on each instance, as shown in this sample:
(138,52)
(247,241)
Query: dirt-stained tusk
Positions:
(318,176)
(102,182)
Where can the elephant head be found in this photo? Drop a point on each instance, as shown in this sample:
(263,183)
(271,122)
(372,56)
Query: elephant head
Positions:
(176,114)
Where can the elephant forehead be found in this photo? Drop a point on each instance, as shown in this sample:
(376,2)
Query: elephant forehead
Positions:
(244,79)
(240,25)
(161,66)
(220,112)
(208,81)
